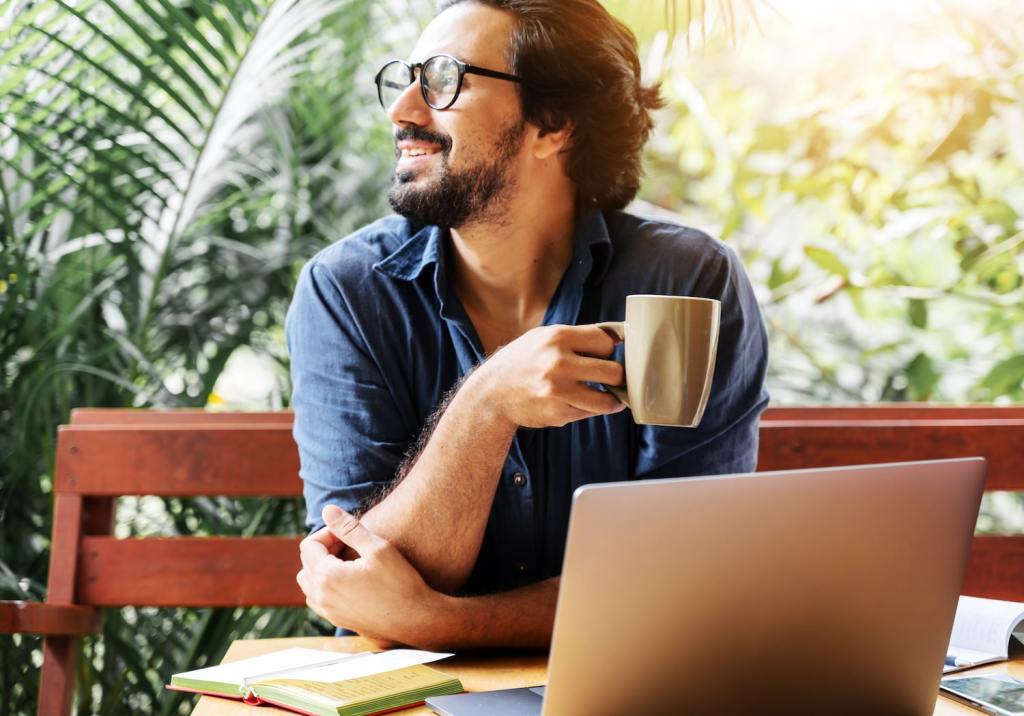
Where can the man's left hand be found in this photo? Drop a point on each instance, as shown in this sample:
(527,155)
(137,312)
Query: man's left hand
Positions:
(378,594)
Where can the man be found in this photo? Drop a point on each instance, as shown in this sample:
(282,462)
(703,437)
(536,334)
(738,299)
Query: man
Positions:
(443,360)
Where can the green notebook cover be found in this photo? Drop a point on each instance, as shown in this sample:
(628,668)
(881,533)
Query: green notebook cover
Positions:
(357,697)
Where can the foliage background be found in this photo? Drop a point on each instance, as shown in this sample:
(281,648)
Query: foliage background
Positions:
(167,165)
(868,162)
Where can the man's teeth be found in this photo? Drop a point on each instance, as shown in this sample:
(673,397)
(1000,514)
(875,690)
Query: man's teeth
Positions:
(417,152)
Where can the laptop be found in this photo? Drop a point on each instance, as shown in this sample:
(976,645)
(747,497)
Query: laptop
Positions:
(825,591)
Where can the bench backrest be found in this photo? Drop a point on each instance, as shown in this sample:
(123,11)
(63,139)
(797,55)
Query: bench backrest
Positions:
(104,454)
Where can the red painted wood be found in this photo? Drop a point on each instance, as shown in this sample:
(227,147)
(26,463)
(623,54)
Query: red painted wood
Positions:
(188,416)
(57,679)
(178,460)
(129,416)
(996,570)
(39,618)
(792,445)
(190,572)
(886,411)
(67,525)
(139,416)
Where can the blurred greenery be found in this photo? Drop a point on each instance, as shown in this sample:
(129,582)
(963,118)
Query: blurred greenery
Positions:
(870,170)
(164,168)
(166,165)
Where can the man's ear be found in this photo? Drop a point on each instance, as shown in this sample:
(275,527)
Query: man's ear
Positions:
(551,143)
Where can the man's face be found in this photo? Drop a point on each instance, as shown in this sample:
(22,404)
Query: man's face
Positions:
(457,165)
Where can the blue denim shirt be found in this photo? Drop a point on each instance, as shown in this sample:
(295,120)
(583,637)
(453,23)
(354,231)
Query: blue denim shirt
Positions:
(377,337)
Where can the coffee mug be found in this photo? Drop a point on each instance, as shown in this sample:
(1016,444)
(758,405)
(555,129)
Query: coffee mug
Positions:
(670,344)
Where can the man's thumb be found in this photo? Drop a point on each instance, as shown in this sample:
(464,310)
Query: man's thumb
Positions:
(348,529)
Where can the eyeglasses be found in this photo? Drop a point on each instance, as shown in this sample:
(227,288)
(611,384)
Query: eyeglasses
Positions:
(440,79)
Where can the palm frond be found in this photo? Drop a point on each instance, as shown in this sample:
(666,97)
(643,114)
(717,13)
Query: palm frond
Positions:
(163,166)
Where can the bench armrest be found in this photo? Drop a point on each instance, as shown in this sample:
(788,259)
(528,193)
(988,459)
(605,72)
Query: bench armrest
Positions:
(48,619)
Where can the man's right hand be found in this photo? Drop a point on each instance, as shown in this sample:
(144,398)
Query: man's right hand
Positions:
(538,380)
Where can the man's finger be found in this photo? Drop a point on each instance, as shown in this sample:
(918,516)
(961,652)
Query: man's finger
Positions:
(598,370)
(592,341)
(593,401)
(325,537)
(310,548)
(350,530)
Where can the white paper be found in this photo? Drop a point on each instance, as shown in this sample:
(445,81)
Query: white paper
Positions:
(984,626)
(363,664)
(236,671)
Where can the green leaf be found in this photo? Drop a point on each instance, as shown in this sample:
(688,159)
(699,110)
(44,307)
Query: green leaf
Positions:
(780,276)
(827,260)
(144,69)
(1006,377)
(921,377)
(733,223)
(85,156)
(917,310)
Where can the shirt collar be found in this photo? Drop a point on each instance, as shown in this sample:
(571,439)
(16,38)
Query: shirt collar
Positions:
(408,261)
(592,247)
(592,251)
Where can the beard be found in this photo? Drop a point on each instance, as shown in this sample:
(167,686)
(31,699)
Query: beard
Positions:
(457,197)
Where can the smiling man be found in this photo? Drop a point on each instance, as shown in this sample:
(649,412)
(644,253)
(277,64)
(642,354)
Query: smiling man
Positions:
(443,359)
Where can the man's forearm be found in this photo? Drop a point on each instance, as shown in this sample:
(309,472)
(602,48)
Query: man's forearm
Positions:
(520,618)
(437,513)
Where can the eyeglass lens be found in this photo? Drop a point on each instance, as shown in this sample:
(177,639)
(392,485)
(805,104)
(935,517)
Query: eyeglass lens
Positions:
(440,80)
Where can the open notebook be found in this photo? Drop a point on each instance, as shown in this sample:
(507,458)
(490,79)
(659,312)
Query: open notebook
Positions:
(325,683)
(982,632)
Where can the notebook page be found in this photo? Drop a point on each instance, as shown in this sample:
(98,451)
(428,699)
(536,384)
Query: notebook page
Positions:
(236,671)
(365,664)
(984,625)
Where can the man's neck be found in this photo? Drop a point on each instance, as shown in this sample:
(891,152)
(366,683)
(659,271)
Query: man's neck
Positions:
(506,271)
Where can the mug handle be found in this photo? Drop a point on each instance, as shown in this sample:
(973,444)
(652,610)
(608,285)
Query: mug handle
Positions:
(618,330)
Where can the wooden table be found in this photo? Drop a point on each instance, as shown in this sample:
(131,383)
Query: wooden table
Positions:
(482,673)
(479,673)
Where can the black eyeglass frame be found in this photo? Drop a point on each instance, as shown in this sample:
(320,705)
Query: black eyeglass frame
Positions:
(464,69)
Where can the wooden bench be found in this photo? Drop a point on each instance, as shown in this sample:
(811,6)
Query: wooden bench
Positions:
(106,454)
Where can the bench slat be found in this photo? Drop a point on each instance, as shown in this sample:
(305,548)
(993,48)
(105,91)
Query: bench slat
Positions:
(177,416)
(892,411)
(40,618)
(996,570)
(228,572)
(178,461)
(787,446)
(899,411)
(189,572)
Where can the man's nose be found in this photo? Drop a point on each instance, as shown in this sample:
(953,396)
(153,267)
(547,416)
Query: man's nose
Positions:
(410,107)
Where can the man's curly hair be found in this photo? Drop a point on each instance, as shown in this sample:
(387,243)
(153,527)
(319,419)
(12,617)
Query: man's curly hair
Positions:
(580,68)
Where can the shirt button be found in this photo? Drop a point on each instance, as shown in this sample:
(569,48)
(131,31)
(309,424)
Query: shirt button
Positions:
(519,479)
(522,567)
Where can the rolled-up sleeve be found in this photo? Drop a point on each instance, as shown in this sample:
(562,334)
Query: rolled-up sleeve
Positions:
(350,435)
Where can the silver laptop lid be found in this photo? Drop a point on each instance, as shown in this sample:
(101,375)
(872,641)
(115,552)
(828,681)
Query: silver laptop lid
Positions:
(811,591)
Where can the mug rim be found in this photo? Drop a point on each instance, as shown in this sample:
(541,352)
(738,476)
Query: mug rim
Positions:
(669,296)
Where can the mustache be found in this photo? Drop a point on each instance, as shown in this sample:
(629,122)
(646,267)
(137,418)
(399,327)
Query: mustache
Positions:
(422,135)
